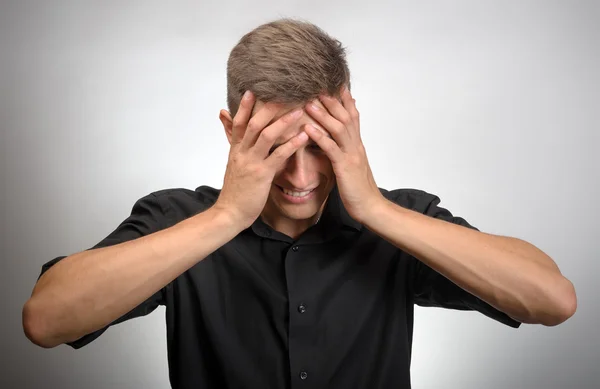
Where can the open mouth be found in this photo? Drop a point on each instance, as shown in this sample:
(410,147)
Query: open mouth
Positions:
(293,194)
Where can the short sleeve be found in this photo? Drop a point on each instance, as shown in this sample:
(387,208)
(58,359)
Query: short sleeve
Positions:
(146,217)
(431,289)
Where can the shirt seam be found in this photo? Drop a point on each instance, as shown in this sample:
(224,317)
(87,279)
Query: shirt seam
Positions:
(166,210)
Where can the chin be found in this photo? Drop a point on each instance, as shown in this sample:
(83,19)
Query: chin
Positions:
(296,214)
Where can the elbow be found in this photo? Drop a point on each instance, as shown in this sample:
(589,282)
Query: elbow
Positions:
(34,327)
(564,305)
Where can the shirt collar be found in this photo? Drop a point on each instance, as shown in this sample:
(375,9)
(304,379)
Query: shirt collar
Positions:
(334,209)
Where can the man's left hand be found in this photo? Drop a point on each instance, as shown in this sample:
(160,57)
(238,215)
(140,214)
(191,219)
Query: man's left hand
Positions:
(348,156)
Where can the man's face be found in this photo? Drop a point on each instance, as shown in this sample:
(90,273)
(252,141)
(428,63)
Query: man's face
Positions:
(307,170)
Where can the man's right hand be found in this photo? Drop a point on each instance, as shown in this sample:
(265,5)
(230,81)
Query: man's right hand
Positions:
(251,169)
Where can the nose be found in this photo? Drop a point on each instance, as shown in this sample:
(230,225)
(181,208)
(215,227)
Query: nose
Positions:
(298,170)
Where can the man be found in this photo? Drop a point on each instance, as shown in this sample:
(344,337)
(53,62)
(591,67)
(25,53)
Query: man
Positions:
(300,271)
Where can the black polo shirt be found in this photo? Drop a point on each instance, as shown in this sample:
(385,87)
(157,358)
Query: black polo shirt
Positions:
(331,309)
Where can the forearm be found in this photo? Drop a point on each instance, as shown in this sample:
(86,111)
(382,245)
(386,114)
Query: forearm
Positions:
(88,290)
(508,273)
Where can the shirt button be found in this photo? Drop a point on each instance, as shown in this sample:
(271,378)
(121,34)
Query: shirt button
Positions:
(303,375)
(295,248)
(301,308)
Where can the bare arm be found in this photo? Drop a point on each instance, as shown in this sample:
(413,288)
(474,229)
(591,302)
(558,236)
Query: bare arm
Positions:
(88,290)
(508,273)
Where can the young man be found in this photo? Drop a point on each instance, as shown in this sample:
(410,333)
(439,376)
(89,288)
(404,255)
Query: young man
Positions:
(300,271)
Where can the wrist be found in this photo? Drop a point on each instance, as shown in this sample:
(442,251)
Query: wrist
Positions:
(376,209)
(226,217)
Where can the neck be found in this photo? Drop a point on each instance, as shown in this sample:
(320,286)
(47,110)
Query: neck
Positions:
(290,227)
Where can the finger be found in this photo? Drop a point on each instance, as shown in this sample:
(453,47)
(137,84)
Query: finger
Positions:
(286,150)
(257,123)
(350,105)
(328,145)
(337,110)
(240,121)
(269,135)
(356,116)
(336,128)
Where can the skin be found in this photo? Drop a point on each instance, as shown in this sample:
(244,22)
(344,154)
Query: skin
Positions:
(508,273)
(103,284)
(308,168)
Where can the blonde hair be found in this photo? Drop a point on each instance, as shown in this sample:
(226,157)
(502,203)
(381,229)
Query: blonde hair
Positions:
(286,61)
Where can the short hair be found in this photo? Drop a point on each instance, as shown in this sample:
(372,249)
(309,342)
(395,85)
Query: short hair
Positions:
(286,61)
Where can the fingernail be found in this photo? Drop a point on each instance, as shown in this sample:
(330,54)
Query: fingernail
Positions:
(247,95)
(296,114)
(303,136)
(313,106)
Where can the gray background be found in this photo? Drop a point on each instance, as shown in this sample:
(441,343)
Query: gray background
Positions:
(493,106)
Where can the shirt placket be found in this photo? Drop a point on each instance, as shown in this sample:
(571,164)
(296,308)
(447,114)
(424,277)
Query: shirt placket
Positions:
(301,319)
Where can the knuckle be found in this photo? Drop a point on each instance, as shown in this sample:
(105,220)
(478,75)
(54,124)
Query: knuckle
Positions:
(259,170)
(288,117)
(346,119)
(282,151)
(267,137)
(288,120)
(252,126)
(237,122)
(278,153)
(338,129)
(256,170)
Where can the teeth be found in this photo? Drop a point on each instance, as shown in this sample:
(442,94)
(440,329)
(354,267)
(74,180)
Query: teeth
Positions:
(295,194)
